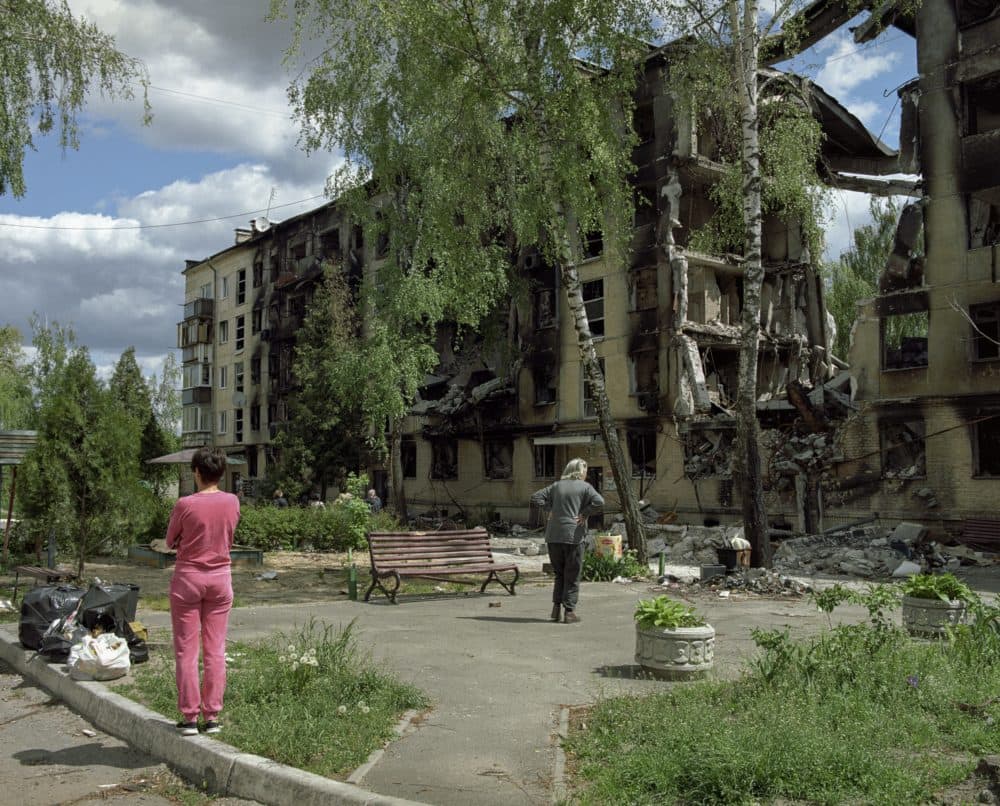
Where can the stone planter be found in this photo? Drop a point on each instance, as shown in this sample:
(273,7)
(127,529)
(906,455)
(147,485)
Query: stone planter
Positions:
(931,618)
(677,652)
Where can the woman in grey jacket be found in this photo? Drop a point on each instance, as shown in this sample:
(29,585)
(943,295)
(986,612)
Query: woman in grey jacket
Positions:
(569,501)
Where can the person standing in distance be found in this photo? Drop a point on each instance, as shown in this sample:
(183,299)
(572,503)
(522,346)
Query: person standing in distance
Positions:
(201,591)
(568,501)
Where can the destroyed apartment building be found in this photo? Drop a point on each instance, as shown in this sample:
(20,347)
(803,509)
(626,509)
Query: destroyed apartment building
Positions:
(910,430)
(484,433)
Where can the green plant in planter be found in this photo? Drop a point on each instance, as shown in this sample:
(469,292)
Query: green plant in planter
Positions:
(946,587)
(665,613)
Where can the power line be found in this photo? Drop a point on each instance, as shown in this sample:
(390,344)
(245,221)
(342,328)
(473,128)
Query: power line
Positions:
(160,226)
(222,101)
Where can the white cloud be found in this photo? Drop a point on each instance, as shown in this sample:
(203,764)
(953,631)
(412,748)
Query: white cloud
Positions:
(849,211)
(848,67)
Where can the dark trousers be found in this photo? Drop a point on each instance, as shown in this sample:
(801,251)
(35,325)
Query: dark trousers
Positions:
(567,562)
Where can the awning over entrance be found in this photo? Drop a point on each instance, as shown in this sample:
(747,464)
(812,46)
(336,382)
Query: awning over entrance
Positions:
(566,439)
(185,456)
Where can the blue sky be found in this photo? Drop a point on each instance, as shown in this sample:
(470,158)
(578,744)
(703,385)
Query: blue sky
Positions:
(86,246)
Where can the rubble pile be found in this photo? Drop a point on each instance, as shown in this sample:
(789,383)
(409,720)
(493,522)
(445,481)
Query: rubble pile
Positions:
(761,581)
(794,454)
(865,551)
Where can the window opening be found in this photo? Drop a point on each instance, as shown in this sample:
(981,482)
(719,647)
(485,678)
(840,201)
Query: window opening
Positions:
(444,459)
(903,449)
(255,420)
(240,331)
(904,340)
(238,424)
(223,377)
(241,286)
(593,301)
(642,452)
(985,331)
(545,461)
(986,446)
(223,331)
(222,422)
(408,457)
(545,382)
(498,456)
(238,376)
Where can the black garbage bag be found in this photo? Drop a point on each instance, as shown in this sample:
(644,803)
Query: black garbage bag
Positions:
(41,607)
(111,607)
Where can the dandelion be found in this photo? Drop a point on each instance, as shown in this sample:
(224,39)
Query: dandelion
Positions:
(342,709)
(365,709)
(291,649)
(362,704)
(282,659)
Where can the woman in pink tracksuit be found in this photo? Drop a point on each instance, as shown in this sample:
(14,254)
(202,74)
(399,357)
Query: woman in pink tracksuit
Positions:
(201,591)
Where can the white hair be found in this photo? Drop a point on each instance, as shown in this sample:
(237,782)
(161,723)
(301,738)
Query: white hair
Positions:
(575,469)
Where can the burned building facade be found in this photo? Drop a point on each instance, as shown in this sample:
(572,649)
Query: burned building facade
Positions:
(243,308)
(926,351)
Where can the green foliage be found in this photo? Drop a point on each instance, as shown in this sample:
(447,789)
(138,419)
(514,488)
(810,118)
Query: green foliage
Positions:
(855,276)
(82,478)
(819,720)
(336,527)
(946,587)
(16,412)
(604,568)
(51,60)
(312,699)
(664,612)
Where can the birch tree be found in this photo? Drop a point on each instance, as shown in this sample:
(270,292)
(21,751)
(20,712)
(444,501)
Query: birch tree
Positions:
(49,62)
(496,118)
(727,44)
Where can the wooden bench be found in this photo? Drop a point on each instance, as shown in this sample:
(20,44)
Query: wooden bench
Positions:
(433,555)
(46,575)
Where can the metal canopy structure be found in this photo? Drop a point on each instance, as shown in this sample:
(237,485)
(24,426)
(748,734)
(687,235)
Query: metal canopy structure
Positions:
(185,456)
(14,446)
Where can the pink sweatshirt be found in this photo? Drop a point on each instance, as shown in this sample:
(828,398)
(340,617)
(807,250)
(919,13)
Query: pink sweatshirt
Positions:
(201,529)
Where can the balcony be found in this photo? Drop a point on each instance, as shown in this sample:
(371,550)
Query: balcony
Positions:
(201,308)
(197,395)
(197,352)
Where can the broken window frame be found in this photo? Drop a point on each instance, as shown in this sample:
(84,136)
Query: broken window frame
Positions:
(238,376)
(545,316)
(892,466)
(640,442)
(984,231)
(644,123)
(587,407)
(646,212)
(543,461)
(978,97)
(255,417)
(893,326)
(444,459)
(593,302)
(241,323)
(985,324)
(241,287)
(238,424)
(592,245)
(408,457)
(258,273)
(634,358)
(255,370)
(494,450)
(986,432)
(545,380)
(256,320)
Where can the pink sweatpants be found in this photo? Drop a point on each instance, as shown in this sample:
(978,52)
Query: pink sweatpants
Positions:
(200,602)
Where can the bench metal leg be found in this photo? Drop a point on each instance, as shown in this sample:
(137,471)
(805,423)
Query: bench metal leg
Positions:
(494,577)
(377,583)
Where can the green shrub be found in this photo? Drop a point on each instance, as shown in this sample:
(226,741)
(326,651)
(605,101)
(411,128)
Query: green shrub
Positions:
(666,613)
(337,527)
(946,587)
(602,568)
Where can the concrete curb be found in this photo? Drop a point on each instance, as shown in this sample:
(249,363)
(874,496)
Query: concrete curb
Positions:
(207,762)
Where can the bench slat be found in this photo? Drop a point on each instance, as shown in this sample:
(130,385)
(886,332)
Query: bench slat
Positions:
(421,570)
(391,553)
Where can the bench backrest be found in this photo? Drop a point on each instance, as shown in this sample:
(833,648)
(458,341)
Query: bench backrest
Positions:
(445,549)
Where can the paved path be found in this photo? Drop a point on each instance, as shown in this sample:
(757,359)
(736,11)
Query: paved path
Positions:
(499,676)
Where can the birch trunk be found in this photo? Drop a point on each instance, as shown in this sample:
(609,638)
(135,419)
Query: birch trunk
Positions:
(634,531)
(747,465)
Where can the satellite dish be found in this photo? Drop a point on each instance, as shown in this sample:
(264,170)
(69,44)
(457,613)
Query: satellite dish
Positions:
(261,224)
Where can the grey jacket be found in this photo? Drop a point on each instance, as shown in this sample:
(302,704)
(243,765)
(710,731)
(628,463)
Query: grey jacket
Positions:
(566,500)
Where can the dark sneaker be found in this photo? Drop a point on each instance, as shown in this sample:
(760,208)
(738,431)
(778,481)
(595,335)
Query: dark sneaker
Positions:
(187,728)
(555,612)
(213,726)
(571,618)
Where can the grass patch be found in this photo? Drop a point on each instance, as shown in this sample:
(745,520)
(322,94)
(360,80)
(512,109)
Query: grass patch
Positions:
(859,714)
(312,699)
